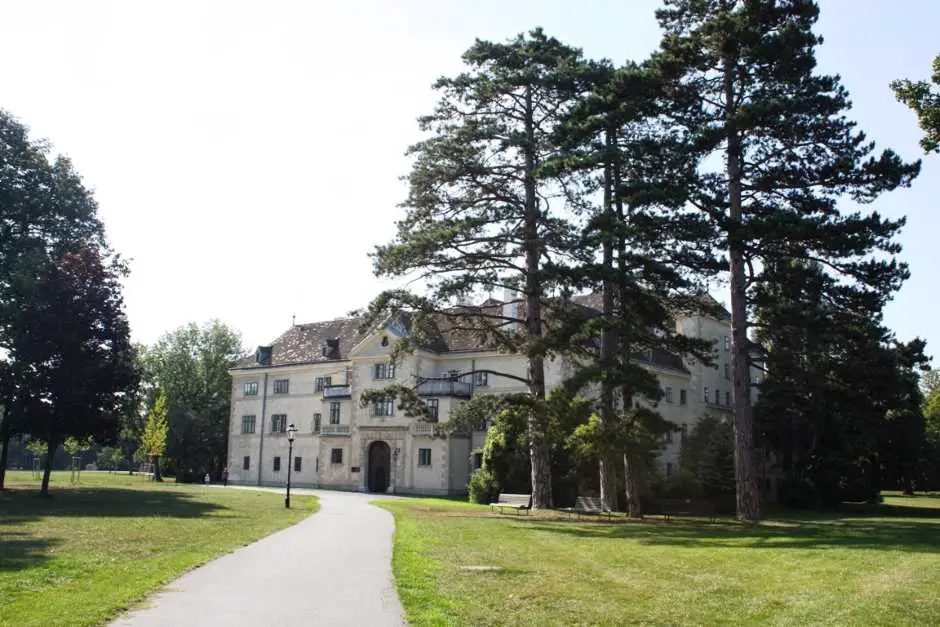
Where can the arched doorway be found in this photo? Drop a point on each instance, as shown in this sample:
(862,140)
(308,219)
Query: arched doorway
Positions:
(380,464)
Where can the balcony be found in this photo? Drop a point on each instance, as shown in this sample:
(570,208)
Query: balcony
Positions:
(719,406)
(423,428)
(443,387)
(337,391)
(336,430)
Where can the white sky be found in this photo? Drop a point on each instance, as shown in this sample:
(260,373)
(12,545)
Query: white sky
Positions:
(246,155)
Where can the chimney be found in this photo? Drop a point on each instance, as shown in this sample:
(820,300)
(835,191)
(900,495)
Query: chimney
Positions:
(512,308)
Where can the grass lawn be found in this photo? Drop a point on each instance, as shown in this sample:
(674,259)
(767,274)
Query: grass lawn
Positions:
(864,566)
(93,549)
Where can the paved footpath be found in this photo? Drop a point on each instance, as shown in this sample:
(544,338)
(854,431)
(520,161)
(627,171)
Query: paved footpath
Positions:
(333,568)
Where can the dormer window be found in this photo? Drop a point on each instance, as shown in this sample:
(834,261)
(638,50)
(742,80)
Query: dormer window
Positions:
(384,340)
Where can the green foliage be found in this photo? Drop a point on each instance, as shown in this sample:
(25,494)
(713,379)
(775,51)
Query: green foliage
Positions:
(153,438)
(37,447)
(925,102)
(482,487)
(484,215)
(191,365)
(58,275)
(707,454)
(774,154)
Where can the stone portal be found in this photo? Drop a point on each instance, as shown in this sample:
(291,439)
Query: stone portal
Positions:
(379,468)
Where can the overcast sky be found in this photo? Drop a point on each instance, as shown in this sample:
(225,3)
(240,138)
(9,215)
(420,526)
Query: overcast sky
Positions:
(246,155)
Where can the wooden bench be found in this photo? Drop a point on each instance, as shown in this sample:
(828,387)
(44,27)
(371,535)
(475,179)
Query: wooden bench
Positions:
(588,505)
(518,502)
(688,507)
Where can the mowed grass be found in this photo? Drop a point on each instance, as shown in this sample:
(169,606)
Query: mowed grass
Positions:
(862,566)
(95,548)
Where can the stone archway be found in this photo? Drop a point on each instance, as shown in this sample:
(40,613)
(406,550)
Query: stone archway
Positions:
(379,466)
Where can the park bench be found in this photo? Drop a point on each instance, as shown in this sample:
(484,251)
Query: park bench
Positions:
(687,507)
(518,502)
(588,505)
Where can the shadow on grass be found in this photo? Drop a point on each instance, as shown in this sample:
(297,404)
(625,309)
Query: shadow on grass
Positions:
(914,536)
(19,550)
(18,506)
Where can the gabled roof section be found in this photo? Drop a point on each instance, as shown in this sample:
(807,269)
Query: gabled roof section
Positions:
(312,343)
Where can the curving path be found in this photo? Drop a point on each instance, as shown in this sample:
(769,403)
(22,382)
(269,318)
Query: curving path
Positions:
(333,568)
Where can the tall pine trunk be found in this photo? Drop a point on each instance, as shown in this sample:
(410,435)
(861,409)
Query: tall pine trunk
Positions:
(632,483)
(539,447)
(4,455)
(607,474)
(747,494)
(47,470)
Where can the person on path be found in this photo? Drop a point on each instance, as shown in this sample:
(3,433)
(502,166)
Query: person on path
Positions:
(225,476)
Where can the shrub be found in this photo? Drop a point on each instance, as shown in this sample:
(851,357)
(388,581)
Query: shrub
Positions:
(482,487)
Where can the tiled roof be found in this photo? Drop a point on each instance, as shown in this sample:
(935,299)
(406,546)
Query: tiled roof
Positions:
(304,343)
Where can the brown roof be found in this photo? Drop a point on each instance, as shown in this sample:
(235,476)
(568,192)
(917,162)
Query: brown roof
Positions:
(304,343)
(453,331)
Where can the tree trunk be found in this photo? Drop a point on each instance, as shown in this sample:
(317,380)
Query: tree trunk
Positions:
(157,476)
(47,471)
(632,483)
(606,468)
(539,447)
(4,455)
(747,494)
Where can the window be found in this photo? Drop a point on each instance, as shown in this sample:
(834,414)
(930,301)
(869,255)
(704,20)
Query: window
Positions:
(384,371)
(669,436)
(685,432)
(277,464)
(727,343)
(480,379)
(667,394)
(424,457)
(669,469)
(321,382)
(317,420)
(728,372)
(477,461)
(432,404)
(334,413)
(385,407)
(248,424)
(297,463)
(683,399)
(705,394)
(246,462)
(251,388)
(336,456)
(453,375)
(728,399)
(278,423)
(384,340)
(281,386)
(717,397)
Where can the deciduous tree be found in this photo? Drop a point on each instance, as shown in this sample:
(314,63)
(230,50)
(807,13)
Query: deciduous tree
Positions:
(153,438)
(924,100)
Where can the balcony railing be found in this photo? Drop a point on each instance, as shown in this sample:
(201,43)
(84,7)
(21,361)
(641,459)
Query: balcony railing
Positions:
(443,387)
(423,428)
(719,406)
(335,430)
(337,391)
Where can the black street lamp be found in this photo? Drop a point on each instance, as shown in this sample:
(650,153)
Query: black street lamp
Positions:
(291,432)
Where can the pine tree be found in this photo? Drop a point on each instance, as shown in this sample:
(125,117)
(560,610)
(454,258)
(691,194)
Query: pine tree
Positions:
(652,257)
(925,102)
(153,438)
(482,216)
(745,90)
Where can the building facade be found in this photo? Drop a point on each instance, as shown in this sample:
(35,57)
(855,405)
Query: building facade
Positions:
(313,376)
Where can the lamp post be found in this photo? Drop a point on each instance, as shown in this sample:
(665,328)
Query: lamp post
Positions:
(291,432)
